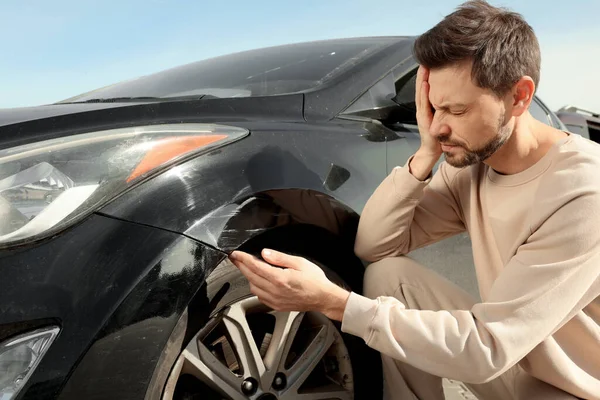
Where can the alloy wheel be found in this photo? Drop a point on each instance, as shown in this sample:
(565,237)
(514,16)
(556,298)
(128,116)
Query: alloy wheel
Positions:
(249,351)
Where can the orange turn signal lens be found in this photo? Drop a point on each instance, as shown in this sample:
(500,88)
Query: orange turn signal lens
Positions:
(168,149)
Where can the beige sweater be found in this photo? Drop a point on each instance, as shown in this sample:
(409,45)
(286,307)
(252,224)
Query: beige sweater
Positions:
(536,247)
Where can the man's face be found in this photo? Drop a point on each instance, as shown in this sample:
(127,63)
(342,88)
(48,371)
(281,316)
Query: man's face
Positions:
(468,121)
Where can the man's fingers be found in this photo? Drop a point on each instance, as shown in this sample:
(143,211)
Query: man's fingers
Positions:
(262,295)
(259,286)
(418,86)
(422,89)
(425,106)
(252,277)
(254,264)
(425,73)
(281,259)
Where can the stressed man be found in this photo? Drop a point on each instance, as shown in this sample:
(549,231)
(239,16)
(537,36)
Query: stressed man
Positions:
(527,194)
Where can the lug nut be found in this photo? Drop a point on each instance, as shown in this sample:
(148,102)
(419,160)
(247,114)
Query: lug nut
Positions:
(279,382)
(249,386)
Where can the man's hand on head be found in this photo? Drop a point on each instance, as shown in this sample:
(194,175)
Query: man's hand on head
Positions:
(430,150)
(298,285)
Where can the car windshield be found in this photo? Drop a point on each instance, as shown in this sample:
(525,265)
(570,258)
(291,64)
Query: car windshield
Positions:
(263,72)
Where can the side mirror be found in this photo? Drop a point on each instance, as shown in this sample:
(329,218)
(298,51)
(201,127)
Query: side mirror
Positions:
(380,113)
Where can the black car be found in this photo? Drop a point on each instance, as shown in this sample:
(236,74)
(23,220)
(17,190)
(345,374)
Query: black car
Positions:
(118,209)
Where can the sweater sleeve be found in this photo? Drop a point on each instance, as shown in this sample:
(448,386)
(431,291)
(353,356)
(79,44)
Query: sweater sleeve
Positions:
(552,276)
(404,213)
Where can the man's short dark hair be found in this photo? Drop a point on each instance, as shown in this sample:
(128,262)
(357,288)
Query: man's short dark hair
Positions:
(500,43)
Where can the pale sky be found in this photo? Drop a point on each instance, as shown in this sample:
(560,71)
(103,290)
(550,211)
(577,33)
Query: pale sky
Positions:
(56,49)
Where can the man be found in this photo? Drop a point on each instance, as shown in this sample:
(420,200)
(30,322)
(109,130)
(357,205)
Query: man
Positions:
(528,195)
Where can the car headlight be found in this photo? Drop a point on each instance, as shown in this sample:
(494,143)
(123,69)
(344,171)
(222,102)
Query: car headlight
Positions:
(48,185)
(20,356)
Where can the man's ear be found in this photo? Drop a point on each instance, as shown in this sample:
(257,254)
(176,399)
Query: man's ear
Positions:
(522,95)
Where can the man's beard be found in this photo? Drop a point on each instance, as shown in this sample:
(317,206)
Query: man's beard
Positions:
(471,157)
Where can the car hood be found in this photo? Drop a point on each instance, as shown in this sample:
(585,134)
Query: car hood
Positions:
(24,125)
(9,116)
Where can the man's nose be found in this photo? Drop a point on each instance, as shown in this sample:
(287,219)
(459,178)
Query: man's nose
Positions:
(438,127)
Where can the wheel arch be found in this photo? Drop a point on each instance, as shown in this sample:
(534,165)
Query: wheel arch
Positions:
(236,223)
(329,249)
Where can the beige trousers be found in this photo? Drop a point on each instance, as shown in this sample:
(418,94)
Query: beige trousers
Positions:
(420,288)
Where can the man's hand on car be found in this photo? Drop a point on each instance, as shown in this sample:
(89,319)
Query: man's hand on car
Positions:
(289,283)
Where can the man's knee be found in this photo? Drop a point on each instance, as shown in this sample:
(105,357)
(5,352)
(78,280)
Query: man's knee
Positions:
(384,277)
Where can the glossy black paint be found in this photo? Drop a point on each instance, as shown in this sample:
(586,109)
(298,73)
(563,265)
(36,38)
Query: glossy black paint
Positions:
(279,174)
(98,281)
(22,126)
(132,341)
(118,282)
(327,102)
